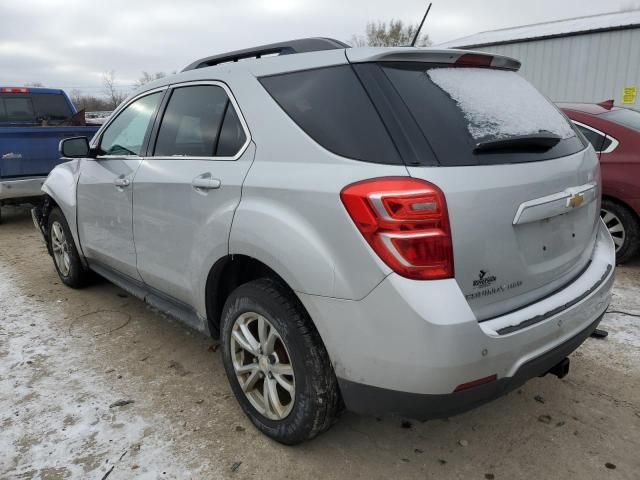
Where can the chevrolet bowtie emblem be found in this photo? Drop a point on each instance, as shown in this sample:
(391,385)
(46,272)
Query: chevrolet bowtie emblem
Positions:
(576,200)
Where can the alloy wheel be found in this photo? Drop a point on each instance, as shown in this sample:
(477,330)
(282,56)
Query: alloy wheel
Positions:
(615,227)
(60,248)
(262,365)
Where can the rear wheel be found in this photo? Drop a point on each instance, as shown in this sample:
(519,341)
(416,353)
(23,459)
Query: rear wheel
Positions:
(624,228)
(63,250)
(276,363)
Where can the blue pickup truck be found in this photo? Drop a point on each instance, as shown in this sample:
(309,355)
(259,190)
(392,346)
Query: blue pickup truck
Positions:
(32,123)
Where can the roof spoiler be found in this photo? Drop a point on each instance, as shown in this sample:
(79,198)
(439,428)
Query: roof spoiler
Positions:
(302,45)
(607,104)
(430,55)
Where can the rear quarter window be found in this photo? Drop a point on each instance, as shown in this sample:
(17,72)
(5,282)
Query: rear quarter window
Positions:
(333,108)
(600,142)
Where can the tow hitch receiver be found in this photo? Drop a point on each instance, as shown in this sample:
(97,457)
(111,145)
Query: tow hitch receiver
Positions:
(561,369)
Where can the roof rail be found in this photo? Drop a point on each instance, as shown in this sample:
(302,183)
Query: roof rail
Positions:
(282,48)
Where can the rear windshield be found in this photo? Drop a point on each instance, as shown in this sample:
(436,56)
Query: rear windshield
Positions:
(34,108)
(624,116)
(460,109)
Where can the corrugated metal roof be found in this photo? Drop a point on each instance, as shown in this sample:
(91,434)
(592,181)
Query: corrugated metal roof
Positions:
(559,28)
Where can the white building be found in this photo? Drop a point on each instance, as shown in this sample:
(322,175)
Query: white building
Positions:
(586,59)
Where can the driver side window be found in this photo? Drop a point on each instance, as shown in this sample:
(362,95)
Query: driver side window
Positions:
(127,133)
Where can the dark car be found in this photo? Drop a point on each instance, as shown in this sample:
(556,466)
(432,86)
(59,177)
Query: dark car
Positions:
(614,132)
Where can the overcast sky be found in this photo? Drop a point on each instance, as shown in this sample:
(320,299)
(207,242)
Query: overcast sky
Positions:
(70,43)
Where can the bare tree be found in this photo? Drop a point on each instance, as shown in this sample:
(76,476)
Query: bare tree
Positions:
(114,95)
(149,77)
(90,103)
(394,34)
(34,84)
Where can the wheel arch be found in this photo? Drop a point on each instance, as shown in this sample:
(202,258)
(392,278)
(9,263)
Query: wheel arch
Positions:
(60,191)
(226,275)
(612,198)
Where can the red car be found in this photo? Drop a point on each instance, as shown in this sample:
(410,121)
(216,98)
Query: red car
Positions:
(614,132)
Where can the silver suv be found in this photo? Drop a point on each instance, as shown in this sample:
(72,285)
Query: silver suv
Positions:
(391,230)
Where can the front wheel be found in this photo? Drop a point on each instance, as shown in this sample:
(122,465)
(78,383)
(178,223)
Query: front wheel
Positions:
(624,227)
(276,363)
(64,252)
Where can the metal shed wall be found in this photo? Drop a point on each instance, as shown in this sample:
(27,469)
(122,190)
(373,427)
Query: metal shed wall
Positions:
(588,67)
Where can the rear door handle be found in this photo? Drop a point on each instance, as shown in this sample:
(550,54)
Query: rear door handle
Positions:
(206,183)
(122,182)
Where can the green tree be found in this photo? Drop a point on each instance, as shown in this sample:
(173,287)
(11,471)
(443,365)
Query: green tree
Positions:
(396,33)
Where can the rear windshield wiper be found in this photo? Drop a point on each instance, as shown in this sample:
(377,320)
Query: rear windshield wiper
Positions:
(537,142)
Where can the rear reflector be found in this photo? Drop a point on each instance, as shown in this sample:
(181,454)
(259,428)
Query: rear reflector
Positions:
(475,60)
(14,90)
(476,383)
(405,221)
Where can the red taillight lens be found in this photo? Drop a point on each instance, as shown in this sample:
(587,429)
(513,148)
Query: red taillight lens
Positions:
(405,220)
(14,90)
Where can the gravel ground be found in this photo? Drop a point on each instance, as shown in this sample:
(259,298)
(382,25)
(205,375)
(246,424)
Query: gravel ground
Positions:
(70,361)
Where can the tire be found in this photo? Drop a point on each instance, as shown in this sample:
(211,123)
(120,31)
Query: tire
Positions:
(64,252)
(315,402)
(624,226)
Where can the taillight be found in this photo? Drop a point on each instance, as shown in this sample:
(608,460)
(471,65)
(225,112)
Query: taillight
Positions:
(405,221)
(14,90)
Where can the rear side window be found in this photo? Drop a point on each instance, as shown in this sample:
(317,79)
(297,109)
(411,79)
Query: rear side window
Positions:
(200,121)
(333,108)
(459,110)
(599,141)
(52,107)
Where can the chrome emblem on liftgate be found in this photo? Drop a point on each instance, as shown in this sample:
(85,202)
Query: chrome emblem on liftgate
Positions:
(575,200)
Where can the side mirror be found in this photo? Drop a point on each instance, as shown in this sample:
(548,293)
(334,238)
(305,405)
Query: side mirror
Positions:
(74,147)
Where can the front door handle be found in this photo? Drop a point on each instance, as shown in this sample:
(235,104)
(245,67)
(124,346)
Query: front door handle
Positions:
(122,182)
(206,183)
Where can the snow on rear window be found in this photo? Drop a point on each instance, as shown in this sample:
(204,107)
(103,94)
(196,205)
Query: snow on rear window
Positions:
(499,104)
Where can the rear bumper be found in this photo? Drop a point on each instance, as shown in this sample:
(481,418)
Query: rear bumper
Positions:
(21,188)
(421,340)
(368,400)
